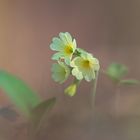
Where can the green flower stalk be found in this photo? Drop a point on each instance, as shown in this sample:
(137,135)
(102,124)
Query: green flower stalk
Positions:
(65,46)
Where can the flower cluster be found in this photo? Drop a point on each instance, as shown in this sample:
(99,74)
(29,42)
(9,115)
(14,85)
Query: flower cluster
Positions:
(72,60)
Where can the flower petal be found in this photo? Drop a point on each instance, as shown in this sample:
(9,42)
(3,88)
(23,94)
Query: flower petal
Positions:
(68,36)
(74,44)
(63,38)
(67,60)
(57,44)
(57,56)
(77,74)
(60,72)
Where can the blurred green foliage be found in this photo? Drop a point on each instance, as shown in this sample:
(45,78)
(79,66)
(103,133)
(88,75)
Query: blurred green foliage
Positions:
(40,112)
(28,102)
(130,82)
(19,92)
(117,72)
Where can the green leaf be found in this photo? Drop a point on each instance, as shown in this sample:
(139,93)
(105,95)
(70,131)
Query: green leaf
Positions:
(116,71)
(19,93)
(130,82)
(40,113)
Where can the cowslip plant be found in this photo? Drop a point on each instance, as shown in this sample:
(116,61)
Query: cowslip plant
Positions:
(78,63)
(117,73)
(72,61)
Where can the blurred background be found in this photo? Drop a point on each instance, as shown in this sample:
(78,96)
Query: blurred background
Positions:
(107,28)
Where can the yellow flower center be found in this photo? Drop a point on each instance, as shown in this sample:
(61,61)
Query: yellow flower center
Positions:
(68,49)
(86,64)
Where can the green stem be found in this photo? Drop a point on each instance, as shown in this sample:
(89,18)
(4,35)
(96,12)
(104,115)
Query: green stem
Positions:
(94,90)
(117,101)
(77,82)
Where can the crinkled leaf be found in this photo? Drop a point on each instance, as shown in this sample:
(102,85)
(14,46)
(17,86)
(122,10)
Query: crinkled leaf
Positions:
(40,112)
(19,93)
(116,71)
(130,82)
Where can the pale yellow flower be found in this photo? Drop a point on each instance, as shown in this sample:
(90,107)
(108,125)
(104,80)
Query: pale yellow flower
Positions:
(60,72)
(65,45)
(85,67)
